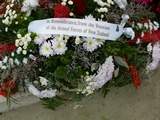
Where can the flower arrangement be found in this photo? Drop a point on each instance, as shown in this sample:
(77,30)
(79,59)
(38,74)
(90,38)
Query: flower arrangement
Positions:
(119,46)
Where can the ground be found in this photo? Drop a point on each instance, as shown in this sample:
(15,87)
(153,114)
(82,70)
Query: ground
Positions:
(124,103)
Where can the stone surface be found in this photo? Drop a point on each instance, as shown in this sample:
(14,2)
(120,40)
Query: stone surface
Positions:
(124,103)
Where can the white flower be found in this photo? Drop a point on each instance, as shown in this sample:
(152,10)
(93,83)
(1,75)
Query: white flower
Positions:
(25,60)
(78,40)
(70,2)
(59,45)
(41,38)
(16,61)
(59,48)
(48,93)
(46,49)
(43,81)
(5,59)
(29,5)
(92,44)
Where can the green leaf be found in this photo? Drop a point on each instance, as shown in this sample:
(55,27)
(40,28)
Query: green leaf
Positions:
(60,72)
(120,61)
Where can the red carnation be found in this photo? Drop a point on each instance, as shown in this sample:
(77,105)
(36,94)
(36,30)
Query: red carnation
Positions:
(61,11)
(80,7)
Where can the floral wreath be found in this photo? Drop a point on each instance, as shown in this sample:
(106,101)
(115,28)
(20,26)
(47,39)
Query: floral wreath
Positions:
(58,67)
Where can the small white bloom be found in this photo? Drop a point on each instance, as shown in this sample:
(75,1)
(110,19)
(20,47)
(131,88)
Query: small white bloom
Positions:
(16,61)
(24,52)
(29,5)
(43,81)
(78,40)
(5,59)
(70,2)
(25,61)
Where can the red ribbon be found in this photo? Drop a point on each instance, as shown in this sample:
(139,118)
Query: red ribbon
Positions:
(135,76)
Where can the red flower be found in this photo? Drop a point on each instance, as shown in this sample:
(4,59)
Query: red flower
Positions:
(61,11)
(135,76)
(80,7)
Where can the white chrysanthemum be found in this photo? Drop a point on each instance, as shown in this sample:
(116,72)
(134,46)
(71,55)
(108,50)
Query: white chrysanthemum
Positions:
(28,5)
(41,38)
(92,44)
(59,44)
(46,49)
(59,47)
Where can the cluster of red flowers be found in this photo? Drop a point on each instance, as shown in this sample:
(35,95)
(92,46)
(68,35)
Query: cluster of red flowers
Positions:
(63,11)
